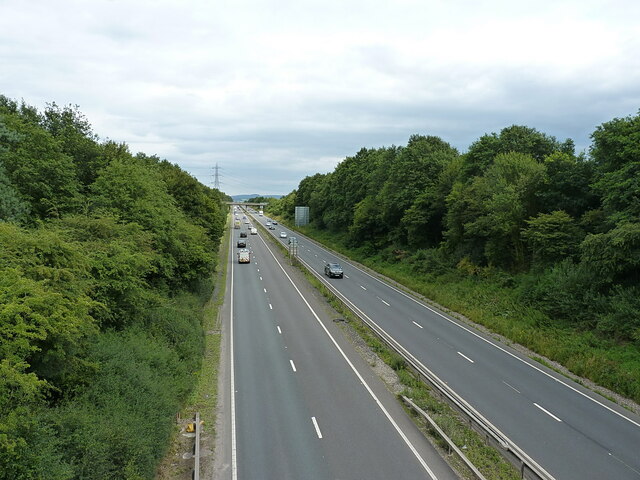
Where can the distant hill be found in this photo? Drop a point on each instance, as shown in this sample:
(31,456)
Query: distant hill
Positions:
(242,198)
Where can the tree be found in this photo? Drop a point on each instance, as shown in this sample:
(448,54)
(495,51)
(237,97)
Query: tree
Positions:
(416,168)
(12,207)
(134,191)
(620,192)
(203,205)
(615,255)
(304,196)
(616,143)
(491,210)
(516,138)
(120,261)
(552,237)
(568,185)
(423,221)
(43,175)
(76,138)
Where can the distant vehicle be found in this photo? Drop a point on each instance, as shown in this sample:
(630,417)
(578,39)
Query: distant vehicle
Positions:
(268,223)
(254,231)
(243,234)
(333,270)
(246,221)
(271,227)
(274,222)
(260,212)
(236,224)
(283,234)
(242,243)
(244,256)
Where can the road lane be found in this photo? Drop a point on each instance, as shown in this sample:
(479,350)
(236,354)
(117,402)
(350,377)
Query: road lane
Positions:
(301,411)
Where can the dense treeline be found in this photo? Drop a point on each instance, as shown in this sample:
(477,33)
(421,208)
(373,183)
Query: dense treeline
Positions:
(519,208)
(105,260)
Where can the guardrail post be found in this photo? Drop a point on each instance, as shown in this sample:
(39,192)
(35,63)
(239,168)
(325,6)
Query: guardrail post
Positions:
(196,447)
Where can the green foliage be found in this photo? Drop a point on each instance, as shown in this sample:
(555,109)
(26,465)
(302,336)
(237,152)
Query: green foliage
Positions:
(135,192)
(515,138)
(75,136)
(285,206)
(567,291)
(616,143)
(203,205)
(100,297)
(120,261)
(415,169)
(568,185)
(620,192)
(424,220)
(12,207)
(113,429)
(615,255)
(552,237)
(492,209)
(42,173)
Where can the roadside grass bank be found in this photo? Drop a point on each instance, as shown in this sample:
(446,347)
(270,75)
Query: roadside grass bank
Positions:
(487,459)
(204,395)
(482,298)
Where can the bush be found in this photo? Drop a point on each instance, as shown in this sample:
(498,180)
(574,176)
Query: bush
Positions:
(118,428)
(566,291)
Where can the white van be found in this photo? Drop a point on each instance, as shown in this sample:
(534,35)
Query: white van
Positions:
(254,231)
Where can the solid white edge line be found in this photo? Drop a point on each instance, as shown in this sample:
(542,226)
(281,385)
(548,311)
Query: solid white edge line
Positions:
(548,412)
(293,365)
(594,400)
(417,324)
(414,359)
(315,424)
(353,368)
(465,357)
(232,381)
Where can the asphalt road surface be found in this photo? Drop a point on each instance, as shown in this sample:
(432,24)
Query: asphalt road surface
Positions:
(301,403)
(565,428)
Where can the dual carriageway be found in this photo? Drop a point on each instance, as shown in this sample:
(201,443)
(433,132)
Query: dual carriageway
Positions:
(305,405)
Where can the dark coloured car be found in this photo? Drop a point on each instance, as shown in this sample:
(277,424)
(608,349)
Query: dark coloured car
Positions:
(242,243)
(243,234)
(274,222)
(333,270)
(271,227)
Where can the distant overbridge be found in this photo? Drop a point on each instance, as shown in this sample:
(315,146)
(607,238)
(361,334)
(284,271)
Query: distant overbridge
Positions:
(247,203)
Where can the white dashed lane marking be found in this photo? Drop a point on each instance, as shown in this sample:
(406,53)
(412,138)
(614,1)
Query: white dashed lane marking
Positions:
(465,357)
(548,413)
(315,424)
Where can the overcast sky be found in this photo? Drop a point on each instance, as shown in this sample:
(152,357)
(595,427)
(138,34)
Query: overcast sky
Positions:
(275,90)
